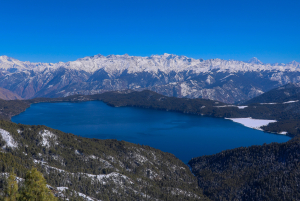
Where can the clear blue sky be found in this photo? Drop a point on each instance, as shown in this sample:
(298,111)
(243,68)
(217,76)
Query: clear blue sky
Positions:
(64,30)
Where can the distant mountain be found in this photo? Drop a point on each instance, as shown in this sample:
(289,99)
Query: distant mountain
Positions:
(254,60)
(289,92)
(8,95)
(228,81)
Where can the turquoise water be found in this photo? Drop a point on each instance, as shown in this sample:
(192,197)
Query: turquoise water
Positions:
(186,136)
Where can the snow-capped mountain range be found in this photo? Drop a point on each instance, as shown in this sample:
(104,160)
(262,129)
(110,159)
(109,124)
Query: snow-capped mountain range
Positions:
(224,80)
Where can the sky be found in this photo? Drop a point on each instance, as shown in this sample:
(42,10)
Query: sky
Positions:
(65,30)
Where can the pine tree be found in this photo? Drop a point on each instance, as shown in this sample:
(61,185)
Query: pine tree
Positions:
(36,187)
(12,188)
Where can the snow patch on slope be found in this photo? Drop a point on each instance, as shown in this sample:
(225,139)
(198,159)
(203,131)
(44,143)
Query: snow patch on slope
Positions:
(10,142)
(88,198)
(47,136)
(6,175)
(103,178)
(114,176)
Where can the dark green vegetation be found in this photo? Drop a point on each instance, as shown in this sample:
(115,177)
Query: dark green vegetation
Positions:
(268,172)
(125,171)
(9,108)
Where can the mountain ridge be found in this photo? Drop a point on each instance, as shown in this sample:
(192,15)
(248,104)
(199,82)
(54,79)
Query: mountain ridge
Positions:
(228,81)
(252,64)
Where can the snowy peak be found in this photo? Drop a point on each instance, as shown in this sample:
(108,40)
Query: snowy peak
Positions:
(166,63)
(295,63)
(4,58)
(254,60)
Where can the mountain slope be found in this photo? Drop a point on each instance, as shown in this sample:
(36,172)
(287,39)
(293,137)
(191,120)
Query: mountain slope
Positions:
(227,81)
(285,93)
(103,169)
(8,95)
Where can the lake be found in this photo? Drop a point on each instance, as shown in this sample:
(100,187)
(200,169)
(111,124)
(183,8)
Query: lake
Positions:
(186,136)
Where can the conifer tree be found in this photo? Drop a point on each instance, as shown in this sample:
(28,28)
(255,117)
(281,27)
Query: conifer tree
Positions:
(12,188)
(36,187)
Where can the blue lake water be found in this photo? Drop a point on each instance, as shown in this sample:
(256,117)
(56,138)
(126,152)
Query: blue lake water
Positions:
(186,136)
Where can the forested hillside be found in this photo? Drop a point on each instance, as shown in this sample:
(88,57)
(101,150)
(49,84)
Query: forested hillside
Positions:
(102,169)
(282,94)
(268,172)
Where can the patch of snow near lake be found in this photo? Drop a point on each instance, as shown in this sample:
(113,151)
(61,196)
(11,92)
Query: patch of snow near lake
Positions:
(283,133)
(252,123)
(226,106)
(10,142)
(290,102)
(268,103)
(279,103)
(240,107)
(46,137)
